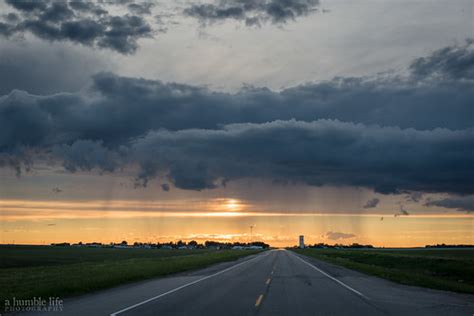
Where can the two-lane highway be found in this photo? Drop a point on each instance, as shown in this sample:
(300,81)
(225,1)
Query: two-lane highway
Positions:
(276,282)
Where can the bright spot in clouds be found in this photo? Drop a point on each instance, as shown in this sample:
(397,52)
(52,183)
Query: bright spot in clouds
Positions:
(232,205)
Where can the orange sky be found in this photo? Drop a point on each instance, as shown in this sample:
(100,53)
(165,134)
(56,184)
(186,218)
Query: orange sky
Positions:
(44,222)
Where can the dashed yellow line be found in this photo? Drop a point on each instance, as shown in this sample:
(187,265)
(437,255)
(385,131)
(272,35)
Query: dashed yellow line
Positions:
(259,300)
(268,281)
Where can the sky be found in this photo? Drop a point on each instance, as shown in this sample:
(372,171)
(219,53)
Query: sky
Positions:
(345,121)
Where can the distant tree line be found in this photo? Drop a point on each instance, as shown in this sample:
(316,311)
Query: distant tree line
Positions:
(449,246)
(354,245)
(209,244)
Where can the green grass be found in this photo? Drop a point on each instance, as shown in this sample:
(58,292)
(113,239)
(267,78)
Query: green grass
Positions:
(444,269)
(54,272)
(29,256)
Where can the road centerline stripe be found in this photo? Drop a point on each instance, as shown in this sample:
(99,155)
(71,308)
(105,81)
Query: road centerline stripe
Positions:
(331,277)
(184,286)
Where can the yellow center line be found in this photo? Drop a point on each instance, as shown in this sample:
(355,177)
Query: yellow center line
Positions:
(268,281)
(259,300)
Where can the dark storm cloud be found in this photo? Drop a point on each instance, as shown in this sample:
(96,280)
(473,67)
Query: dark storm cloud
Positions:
(372,203)
(28,5)
(253,12)
(462,204)
(79,22)
(86,155)
(153,104)
(414,197)
(16,159)
(392,135)
(119,108)
(452,62)
(5,29)
(388,159)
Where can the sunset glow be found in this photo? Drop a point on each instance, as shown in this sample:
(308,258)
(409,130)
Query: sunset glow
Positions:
(225,121)
(40,222)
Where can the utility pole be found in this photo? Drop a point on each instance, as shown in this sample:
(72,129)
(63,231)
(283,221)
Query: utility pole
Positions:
(251,228)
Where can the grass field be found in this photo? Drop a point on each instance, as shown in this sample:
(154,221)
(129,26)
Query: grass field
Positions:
(444,269)
(29,256)
(29,271)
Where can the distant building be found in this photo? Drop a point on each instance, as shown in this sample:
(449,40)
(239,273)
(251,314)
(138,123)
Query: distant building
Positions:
(301,241)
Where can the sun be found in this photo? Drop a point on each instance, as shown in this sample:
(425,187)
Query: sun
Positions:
(232,205)
(227,205)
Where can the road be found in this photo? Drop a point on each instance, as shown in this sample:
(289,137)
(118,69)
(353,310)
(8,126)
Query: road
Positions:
(277,282)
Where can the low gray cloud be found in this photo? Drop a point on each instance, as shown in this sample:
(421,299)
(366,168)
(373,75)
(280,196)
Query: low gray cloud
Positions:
(402,211)
(86,155)
(17,159)
(338,235)
(372,203)
(315,153)
(85,23)
(414,197)
(252,12)
(368,132)
(462,203)
(451,62)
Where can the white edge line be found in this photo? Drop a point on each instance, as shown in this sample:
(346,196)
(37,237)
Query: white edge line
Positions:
(331,277)
(182,287)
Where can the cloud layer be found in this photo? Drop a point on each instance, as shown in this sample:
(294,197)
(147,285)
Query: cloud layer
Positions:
(391,134)
(453,62)
(81,22)
(252,12)
(118,25)
(462,204)
(372,203)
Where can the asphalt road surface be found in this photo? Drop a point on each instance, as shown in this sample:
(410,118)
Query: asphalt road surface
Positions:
(276,282)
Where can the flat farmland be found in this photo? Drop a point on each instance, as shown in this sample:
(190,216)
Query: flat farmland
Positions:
(44,271)
(449,269)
